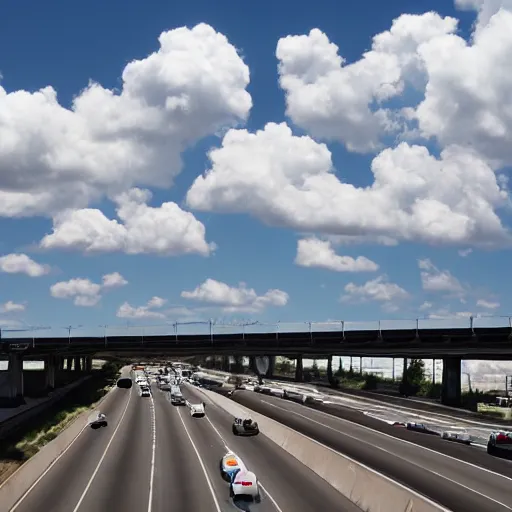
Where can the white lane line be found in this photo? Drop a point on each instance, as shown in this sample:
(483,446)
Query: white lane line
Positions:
(270,497)
(153,452)
(398,456)
(89,483)
(460,461)
(47,470)
(208,481)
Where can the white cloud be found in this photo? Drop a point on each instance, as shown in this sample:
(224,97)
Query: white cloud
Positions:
(379,290)
(235,299)
(487,304)
(165,230)
(312,252)
(332,100)
(83,291)
(53,158)
(148,311)
(114,280)
(11,307)
(426,306)
(446,314)
(435,280)
(22,264)
(465,252)
(285,180)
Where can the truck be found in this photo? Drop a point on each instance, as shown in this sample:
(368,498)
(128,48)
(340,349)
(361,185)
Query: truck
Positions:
(176,396)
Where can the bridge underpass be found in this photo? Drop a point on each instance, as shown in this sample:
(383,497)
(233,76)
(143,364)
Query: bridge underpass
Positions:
(16,383)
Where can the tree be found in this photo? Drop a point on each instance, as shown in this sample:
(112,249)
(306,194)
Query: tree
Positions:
(315,370)
(416,371)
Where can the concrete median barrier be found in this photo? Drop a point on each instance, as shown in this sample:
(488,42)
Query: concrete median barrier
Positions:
(27,475)
(368,489)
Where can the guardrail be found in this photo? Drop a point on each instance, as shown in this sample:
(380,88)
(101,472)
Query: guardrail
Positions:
(214,327)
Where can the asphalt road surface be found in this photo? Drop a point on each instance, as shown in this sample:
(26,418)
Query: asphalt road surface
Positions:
(468,479)
(155,457)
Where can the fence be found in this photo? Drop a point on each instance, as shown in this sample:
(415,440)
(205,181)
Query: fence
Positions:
(212,327)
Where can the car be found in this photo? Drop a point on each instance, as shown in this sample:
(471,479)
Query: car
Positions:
(230,464)
(196,410)
(499,442)
(245,427)
(457,436)
(245,485)
(420,427)
(98,421)
(144,391)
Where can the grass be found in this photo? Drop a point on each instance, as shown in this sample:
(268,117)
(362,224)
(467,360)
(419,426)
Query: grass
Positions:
(494,411)
(28,439)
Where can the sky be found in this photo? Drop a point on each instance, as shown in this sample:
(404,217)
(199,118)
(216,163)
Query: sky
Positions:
(318,161)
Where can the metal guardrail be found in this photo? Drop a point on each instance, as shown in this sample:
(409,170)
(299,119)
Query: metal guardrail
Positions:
(213,328)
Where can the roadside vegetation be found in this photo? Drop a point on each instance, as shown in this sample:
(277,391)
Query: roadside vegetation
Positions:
(28,439)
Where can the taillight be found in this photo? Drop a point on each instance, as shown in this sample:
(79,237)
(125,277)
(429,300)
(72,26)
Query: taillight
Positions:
(503,438)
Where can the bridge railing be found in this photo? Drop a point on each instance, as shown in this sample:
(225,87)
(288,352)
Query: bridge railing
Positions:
(213,328)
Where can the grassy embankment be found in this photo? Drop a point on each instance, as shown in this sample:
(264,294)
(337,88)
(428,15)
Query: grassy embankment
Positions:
(28,439)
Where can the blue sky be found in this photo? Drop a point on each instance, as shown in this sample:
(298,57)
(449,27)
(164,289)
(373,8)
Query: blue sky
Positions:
(432,239)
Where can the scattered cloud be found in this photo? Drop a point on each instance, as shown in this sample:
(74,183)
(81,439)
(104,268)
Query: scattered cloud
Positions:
(438,281)
(312,252)
(487,304)
(465,252)
(150,310)
(379,290)
(83,291)
(12,307)
(22,264)
(235,299)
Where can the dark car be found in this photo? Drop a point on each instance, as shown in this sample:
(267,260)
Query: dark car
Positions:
(245,427)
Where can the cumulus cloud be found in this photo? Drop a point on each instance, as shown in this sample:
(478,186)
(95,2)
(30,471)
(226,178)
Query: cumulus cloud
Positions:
(126,310)
(235,299)
(84,292)
(312,252)
(378,290)
(114,280)
(53,158)
(487,304)
(11,307)
(334,100)
(22,264)
(435,280)
(286,180)
(164,230)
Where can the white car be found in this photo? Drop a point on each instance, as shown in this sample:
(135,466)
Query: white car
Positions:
(196,410)
(458,436)
(144,392)
(245,485)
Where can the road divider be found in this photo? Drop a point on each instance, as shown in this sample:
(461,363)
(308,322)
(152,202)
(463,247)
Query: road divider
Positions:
(368,489)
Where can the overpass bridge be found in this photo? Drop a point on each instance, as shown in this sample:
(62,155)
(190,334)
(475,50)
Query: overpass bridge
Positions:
(474,338)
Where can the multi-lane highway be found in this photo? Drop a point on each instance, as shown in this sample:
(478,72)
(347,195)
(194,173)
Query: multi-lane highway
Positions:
(155,457)
(459,477)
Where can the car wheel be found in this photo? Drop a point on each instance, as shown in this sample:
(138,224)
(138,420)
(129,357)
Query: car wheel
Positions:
(257,498)
(235,431)
(490,449)
(231,492)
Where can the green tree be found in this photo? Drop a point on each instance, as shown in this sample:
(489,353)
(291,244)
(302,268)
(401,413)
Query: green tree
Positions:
(314,369)
(416,371)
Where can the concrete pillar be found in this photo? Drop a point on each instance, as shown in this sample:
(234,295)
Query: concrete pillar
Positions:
(225,364)
(450,393)
(15,369)
(88,364)
(299,374)
(330,377)
(69,364)
(60,363)
(271,366)
(50,364)
(78,366)
(239,364)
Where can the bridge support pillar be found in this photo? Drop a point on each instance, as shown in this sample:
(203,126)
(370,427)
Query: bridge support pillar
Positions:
(330,377)
(12,386)
(263,366)
(60,363)
(299,373)
(239,364)
(450,391)
(50,366)
(225,364)
(88,364)
(78,366)
(69,364)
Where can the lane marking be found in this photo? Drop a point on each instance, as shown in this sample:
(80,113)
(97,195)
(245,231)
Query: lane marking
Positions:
(461,461)
(208,481)
(47,470)
(398,456)
(153,452)
(89,483)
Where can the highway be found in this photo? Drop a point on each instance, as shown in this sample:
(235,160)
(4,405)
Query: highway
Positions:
(467,479)
(155,457)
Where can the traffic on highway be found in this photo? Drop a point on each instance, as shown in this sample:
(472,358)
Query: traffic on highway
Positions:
(141,452)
